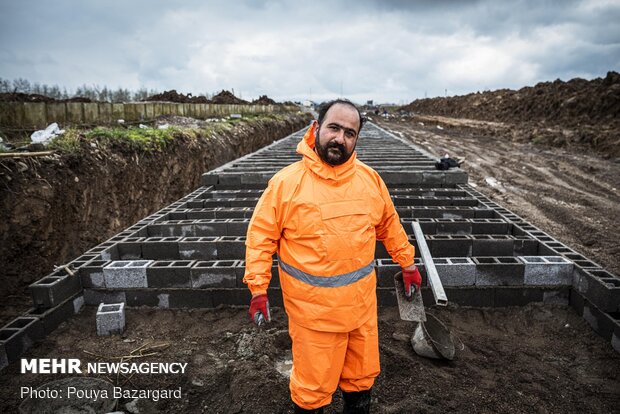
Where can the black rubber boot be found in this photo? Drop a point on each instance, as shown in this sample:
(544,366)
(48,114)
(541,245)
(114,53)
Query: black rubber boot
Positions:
(356,402)
(299,410)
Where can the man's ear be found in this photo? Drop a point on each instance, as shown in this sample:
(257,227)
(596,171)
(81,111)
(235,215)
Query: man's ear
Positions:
(314,123)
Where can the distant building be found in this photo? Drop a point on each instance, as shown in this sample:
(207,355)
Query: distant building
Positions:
(369,102)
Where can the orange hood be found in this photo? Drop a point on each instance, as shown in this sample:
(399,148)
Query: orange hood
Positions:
(312,161)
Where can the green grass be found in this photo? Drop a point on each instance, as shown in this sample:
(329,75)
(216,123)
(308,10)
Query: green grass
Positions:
(147,139)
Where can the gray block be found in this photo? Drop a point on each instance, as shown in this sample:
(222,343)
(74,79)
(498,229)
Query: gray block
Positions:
(599,287)
(490,226)
(525,246)
(452,226)
(492,245)
(498,271)
(231,247)
(130,248)
(110,319)
(218,273)
(94,297)
(517,296)
(126,273)
(161,248)
(199,248)
(17,336)
(210,227)
(456,271)
(547,270)
(52,318)
(169,273)
(55,288)
(237,227)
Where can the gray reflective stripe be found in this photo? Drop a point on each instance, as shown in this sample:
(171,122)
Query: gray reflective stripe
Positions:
(327,281)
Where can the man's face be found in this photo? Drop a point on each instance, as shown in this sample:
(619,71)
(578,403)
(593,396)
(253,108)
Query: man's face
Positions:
(337,135)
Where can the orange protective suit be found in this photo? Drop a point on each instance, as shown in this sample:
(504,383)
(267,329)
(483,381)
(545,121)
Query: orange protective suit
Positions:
(323,222)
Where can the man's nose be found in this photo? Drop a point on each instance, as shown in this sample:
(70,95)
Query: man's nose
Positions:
(340,137)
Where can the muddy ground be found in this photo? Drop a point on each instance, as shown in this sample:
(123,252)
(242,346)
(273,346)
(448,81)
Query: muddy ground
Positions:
(513,360)
(570,193)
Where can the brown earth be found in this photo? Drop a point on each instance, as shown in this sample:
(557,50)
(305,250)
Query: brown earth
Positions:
(565,114)
(173,96)
(54,208)
(226,97)
(264,100)
(33,97)
(513,360)
(570,193)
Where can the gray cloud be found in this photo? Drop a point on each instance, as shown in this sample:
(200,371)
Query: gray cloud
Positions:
(383,50)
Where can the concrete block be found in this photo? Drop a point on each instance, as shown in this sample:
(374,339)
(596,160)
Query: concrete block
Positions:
(54,289)
(231,247)
(190,298)
(152,297)
(471,296)
(161,248)
(525,246)
(517,296)
(386,297)
(91,274)
(110,319)
(216,273)
(178,228)
(492,245)
(208,179)
(19,335)
(386,269)
(126,273)
(130,248)
(452,226)
(235,297)
(600,321)
(443,245)
(599,287)
(498,271)
(169,274)
(490,226)
(237,227)
(557,296)
(199,248)
(210,227)
(547,270)
(456,271)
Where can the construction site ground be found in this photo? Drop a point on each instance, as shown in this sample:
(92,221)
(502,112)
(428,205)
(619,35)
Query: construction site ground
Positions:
(541,359)
(533,359)
(572,194)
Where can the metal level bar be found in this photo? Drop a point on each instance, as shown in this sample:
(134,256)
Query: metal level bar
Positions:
(429,265)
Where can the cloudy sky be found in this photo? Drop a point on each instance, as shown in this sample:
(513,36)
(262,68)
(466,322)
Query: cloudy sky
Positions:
(389,51)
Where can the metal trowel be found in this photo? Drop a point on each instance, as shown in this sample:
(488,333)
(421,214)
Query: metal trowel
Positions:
(413,310)
(409,309)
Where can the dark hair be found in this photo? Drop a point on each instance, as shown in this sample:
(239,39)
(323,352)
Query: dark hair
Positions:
(324,107)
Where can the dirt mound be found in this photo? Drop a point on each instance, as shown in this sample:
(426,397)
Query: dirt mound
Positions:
(33,97)
(556,113)
(264,100)
(571,103)
(173,96)
(226,97)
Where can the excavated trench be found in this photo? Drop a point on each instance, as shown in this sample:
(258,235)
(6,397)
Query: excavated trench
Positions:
(523,305)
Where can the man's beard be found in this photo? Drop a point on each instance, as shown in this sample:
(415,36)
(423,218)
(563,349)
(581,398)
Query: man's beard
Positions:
(332,153)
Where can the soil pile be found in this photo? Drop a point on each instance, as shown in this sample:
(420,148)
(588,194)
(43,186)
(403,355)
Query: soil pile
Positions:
(226,97)
(264,100)
(174,96)
(33,97)
(557,113)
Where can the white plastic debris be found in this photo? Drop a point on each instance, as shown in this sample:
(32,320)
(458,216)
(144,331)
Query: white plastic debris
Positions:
(142,126)
(235,116)
(44,136)
(439,127)
(421,123)
(164,126)
(120,121)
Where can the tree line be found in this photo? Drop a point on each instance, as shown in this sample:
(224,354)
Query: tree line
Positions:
(93,92)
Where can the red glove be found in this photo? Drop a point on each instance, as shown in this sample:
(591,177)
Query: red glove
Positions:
(412,281)
(259,310)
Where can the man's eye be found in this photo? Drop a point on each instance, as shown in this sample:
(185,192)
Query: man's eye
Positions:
(334,128)
(350,134)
